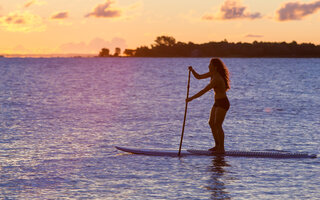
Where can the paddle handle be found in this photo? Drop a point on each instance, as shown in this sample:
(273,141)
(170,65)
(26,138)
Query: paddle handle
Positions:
(185,114)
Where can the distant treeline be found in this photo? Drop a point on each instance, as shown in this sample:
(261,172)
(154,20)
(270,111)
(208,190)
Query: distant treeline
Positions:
(105,52)
(166,46)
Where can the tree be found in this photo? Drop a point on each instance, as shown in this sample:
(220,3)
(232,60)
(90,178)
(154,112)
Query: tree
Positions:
(117,51)
(104,52)
(143,51)
(165,41)
(129,52)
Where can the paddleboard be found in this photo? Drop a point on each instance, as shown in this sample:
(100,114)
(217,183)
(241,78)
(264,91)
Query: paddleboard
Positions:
(261,154)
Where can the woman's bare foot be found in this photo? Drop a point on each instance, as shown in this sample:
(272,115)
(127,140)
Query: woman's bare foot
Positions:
(217,150)
(213,149)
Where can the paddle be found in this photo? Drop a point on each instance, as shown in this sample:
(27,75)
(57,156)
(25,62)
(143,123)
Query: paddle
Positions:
(185,114)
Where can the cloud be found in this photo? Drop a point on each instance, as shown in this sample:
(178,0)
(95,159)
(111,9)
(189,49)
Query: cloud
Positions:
(29,3)
(22,22)
(20,49)
(33,2)
(94,46)
(253,36)
(104,11)
(60,15)
(232,9)
(297,10)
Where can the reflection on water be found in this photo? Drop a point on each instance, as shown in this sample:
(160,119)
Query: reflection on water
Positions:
(216,184)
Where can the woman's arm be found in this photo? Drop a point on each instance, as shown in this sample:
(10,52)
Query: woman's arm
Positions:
(199,76)
(202,92)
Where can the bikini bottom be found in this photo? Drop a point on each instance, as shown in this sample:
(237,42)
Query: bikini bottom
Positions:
(222,103)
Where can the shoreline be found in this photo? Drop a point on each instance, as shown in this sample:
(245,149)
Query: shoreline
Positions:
(94,56)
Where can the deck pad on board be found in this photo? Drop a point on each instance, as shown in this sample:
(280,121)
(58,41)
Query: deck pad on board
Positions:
(263,154)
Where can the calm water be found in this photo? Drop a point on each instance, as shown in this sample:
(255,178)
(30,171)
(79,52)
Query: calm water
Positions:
(61,118)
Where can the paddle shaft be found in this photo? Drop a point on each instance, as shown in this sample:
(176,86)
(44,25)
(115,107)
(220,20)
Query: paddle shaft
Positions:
(185,114)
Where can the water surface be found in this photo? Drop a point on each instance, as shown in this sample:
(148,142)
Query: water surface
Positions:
(60,119)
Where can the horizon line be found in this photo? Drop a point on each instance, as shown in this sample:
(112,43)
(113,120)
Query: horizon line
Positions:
(70,55)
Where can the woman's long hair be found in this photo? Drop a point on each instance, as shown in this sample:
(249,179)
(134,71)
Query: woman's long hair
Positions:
(222,70)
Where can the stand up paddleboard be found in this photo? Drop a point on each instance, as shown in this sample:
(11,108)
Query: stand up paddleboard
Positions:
(261,154)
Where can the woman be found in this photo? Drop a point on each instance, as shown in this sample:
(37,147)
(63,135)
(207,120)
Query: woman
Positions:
(220,83)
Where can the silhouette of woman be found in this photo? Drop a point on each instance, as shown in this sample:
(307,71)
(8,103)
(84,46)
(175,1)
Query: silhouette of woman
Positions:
(220,83)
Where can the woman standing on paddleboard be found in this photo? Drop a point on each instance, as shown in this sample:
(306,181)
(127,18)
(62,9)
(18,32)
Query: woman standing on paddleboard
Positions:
(220,83)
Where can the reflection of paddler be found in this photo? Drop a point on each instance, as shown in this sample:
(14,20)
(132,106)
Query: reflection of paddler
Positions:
(216,182)
(220,83)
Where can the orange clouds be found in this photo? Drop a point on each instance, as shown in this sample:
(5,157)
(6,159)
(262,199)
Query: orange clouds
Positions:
(104,11)
(60,15)
(232,9)
(28,4)
(22,22)
(33,2)
(296,10)
(253,36)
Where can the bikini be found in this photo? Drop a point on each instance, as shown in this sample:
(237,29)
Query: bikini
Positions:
(222,103)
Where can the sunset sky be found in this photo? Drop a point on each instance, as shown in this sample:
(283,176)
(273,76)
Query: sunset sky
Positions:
(86,26)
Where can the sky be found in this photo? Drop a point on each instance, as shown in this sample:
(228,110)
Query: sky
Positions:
(86,26)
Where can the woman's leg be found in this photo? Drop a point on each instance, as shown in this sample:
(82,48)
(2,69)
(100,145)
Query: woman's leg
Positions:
(220,114)
(211,123)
